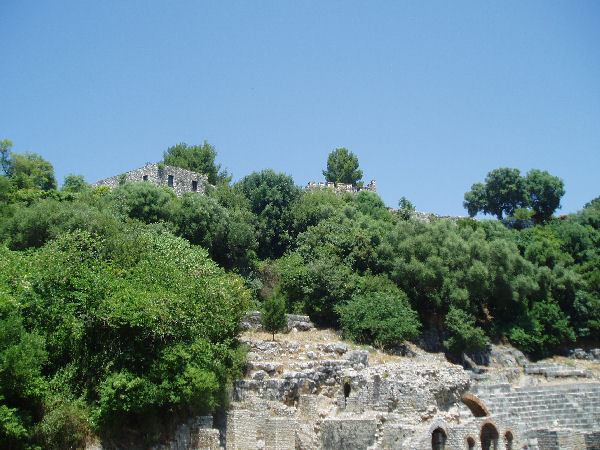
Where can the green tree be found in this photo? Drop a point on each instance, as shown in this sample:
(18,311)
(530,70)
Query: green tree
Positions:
(271,197)
(405,208)
(544,192)
(202,221)
(199,158)
(504,191)
(342,167)
(133,338)
(381,318)
(5,154)
(590,214)
(75,183)
(273,316)
(144,201)
(464,337)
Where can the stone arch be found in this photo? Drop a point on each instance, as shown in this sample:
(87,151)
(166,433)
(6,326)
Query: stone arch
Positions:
(475,405)
(471,443)
(438,439)
(489,436)
(508,440)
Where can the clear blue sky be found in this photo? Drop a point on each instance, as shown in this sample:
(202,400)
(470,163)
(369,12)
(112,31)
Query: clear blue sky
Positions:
(429,95)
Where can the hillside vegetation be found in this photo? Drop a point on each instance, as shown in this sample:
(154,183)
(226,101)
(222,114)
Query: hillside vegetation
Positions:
(119,309)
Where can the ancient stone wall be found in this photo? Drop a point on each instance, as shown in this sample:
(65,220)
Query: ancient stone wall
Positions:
(196,433)
(570,406)
(348,433)
(280,433)
(341,187)
(251,321)
(178,179)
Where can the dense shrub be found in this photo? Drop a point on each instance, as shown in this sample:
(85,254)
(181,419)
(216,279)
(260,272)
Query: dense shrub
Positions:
(273,316)
(464,336)
(381,318)
(134,338)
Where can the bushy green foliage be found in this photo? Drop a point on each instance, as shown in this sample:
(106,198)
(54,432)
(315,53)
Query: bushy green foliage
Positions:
(22,386)
(316,206)
(273,318)
(384,319)
(271,195)
(505,192)
(34,225)
(199,158)
(202,221)
(465,336)
(154,335)
(542,329)
(342,167)
(144,201)
(26,170)
(405,208)
(75,184)
(315,287)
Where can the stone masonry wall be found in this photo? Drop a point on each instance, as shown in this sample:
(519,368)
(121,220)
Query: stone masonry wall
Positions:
(341,187)
(178,179)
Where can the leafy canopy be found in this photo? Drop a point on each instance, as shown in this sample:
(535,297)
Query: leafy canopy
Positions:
(342,167)
(27,170)
(273,317)
(505,192)
(199,158)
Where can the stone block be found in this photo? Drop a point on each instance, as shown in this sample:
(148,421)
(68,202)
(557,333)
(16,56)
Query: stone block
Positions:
(206,439)
(280,433)
(348,434)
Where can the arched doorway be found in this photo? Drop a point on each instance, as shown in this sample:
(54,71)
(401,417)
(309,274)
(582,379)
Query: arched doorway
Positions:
(470,443)
(438,439)
(489,437)
(508,440)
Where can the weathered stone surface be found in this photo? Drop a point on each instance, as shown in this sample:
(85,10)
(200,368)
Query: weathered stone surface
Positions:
(251,321)
(348,433)
(305,393)
(178,179)
(358,357)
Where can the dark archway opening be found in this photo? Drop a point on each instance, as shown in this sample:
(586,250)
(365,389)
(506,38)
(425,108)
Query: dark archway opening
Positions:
(489,437)
(438,439)
(347,389)
(508,440)
(470,443)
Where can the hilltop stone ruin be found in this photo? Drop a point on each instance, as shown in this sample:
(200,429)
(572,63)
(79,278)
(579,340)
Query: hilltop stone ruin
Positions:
(176,178)
(341,187)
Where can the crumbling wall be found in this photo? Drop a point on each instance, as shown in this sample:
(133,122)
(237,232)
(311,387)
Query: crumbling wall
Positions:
(178,179)
(348,433)
(341,187)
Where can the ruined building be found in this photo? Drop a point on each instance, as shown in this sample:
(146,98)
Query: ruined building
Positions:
(341,187)
(308,390)
(178,179)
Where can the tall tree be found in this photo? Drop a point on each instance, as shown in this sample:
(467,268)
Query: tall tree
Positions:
(544,192)
(505,191)
(342,167)
(271,196)
(199,158)
(273,318)
(26,170)
(5,147)
(75,183)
